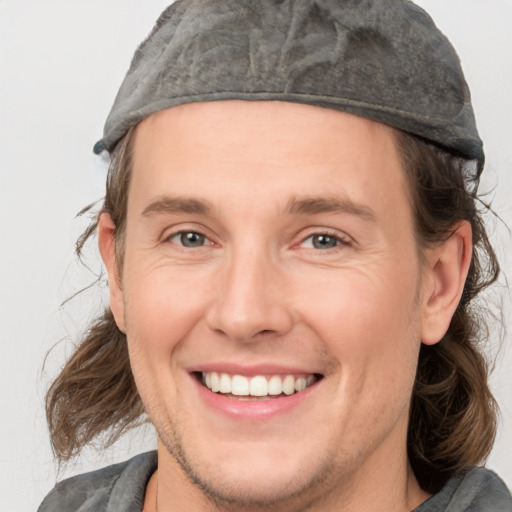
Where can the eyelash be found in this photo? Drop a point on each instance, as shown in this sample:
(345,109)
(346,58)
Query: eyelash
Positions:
(340,241)
(188,232)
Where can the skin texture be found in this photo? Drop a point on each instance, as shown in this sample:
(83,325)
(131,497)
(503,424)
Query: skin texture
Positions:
(260,292)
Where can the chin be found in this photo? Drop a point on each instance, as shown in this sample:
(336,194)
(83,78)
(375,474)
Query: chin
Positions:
(251,491)
(256,477)
(255,488)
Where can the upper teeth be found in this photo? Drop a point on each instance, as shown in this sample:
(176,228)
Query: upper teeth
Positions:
(259,385)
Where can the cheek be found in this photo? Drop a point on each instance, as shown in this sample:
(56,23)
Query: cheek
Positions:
(162,307)
(369,322)
(371,306)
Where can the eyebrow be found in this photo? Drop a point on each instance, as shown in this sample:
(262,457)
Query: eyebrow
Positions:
(301,206)
(316,205)
(169,204)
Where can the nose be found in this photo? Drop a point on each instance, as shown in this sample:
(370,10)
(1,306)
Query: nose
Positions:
(250,302)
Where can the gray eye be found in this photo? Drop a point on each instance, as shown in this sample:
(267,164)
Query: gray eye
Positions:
(189,239)
(324,241)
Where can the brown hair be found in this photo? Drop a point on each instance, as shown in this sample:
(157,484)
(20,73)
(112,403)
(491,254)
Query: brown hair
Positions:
(453,413)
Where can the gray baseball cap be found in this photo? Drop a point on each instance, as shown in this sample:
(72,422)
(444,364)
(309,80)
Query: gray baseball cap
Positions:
(380,59)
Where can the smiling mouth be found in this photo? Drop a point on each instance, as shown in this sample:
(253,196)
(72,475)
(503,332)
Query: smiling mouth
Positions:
(258,387)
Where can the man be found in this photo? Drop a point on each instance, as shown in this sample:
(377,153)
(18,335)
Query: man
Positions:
(293,248)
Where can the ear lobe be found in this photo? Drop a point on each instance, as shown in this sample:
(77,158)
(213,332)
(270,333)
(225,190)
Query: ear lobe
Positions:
(447,268)
(106,244)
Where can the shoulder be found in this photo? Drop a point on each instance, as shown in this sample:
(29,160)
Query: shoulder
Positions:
(482,490)
(120,487)
(475,490)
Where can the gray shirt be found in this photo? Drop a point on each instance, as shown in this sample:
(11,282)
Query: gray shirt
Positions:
(122,487)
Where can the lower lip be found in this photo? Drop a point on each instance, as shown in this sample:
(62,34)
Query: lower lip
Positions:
(254,410)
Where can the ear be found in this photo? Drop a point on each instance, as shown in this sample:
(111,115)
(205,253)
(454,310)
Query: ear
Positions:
(446,270)
(106,243)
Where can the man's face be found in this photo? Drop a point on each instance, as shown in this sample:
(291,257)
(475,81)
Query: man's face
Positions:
(271,245)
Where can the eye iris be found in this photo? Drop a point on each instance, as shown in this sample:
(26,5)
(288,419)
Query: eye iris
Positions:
(192,239)
(324,242)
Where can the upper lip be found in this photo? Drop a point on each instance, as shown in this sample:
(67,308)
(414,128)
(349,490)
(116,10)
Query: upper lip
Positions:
(252,369)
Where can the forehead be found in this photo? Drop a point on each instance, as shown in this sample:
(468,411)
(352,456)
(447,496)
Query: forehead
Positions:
(264,152)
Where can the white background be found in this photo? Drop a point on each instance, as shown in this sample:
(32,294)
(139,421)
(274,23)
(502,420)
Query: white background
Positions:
(61,63)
